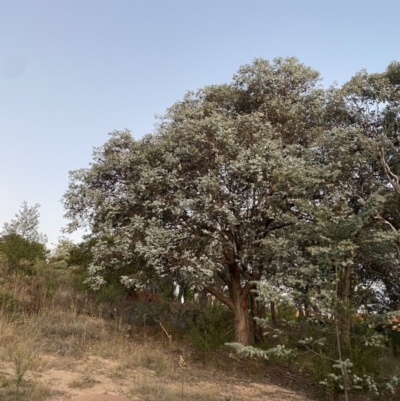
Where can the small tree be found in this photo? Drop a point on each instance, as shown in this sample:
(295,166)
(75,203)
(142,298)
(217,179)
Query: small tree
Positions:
(20,253)
(26,224)
(20,241)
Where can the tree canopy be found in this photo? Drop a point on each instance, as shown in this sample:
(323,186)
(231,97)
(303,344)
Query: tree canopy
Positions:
(269,178)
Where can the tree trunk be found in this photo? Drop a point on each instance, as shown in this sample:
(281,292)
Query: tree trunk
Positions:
(239,307)
(302,321)
(242,327)
(239,296)
(237,303)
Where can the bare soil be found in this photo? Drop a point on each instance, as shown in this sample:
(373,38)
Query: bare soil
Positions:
(57,354)
(93,378)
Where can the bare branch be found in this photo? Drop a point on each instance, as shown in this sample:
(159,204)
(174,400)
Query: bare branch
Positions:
(393,178)
(383,220)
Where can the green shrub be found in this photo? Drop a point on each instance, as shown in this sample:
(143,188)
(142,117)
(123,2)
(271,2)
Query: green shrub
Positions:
(109,292)
(371,357)
(8,303)
(209,327)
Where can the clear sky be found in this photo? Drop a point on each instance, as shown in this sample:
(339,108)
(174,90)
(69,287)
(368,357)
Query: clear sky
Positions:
(73,70)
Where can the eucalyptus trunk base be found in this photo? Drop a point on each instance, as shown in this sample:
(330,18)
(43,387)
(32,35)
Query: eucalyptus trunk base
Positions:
(242,326)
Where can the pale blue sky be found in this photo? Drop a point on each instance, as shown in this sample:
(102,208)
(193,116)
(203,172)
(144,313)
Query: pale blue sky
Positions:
(71,71)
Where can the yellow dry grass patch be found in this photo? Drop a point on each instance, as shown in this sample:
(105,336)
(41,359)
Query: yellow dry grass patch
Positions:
(59,355)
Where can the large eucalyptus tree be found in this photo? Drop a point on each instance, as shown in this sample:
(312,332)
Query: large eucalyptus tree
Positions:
(212,191)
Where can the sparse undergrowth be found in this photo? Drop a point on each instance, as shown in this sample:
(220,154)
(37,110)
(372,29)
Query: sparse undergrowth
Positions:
(90,353)
(71,345)
(55,352)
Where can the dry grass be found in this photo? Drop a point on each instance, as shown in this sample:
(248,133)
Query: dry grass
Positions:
(52,351)
(87,381)
(56,339)
(164,391)
(30,391)
(59,354)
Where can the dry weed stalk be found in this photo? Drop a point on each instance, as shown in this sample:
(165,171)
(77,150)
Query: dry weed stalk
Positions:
(182,367)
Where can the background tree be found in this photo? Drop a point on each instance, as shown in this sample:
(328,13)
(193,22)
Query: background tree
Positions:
(20,253)
(20,241)
(347,249)
(374,104)
(26,224)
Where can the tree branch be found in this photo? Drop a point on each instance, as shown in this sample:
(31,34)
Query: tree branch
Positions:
(279,226)
(223,278)
(246,290)
(221,297)
(393,178)
(383,220)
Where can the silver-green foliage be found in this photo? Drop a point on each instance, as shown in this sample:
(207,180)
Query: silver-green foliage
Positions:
(211,192)
(26,224)
(347,246)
